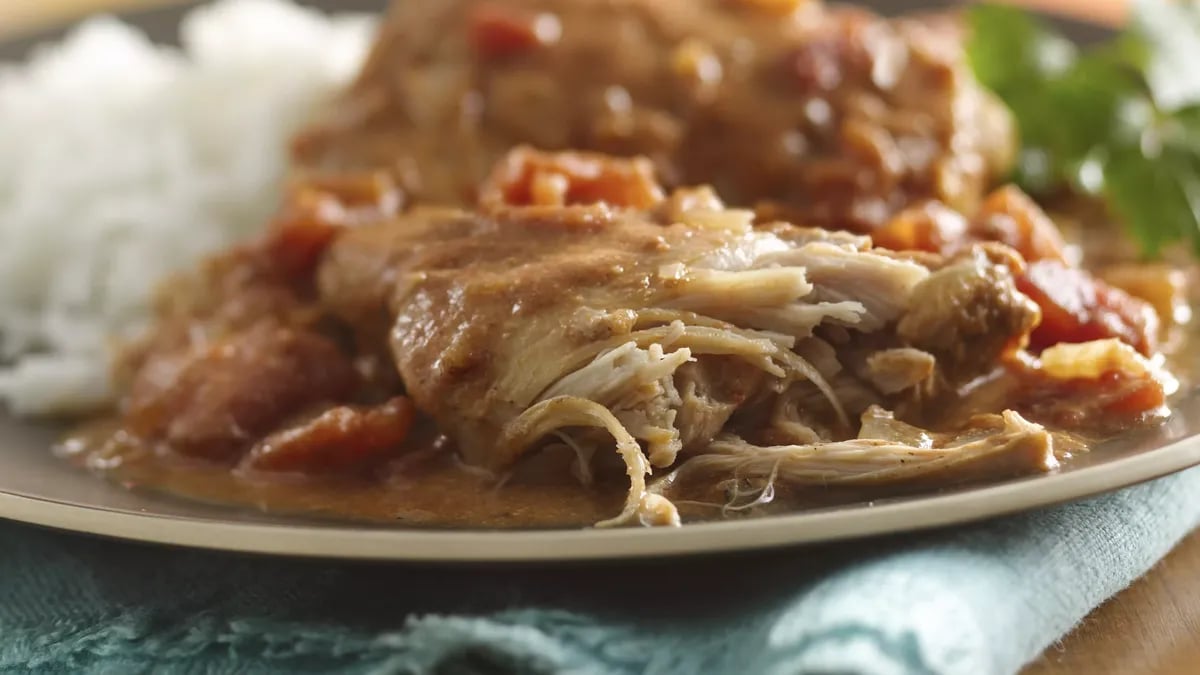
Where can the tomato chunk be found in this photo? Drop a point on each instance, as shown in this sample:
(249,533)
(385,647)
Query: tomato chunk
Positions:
(1114,401)
(527,177)
(1077,307)
(208,401)
(498,32)
(932,227)
(1137,397)
(339,439)
(318,207)
(1011,217)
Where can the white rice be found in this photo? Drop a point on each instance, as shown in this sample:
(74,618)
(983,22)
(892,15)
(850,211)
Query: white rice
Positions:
(121,162)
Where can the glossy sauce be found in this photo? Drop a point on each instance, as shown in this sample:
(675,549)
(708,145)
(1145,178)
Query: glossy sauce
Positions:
(427,488)
(431,488)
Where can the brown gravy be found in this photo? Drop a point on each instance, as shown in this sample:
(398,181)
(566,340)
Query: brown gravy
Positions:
(429,488)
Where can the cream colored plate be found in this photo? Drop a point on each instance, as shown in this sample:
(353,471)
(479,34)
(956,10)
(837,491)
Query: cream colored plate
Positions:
(37,488)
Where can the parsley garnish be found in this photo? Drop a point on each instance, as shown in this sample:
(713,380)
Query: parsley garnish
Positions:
(1120,119)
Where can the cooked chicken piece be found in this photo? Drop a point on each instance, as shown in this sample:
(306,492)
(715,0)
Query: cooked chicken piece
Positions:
(830,116)
(888,453)
(523,321)
(709,395)
(968,315)
(896,370)
(487,297)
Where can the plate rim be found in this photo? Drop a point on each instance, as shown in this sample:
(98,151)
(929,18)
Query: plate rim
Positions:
(350,542)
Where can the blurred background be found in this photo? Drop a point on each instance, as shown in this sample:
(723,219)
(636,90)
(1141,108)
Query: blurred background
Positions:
(18,16)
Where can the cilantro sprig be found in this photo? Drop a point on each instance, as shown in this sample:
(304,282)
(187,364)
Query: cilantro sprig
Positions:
(1120,119)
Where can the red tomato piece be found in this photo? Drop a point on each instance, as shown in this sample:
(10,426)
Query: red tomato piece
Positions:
(499,32)
(1077,307)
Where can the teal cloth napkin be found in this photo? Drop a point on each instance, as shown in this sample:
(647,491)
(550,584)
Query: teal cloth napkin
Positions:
(978,600)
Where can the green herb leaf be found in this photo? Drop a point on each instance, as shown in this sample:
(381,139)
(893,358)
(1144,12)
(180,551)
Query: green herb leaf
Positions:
(1172,66)
(1121,120)
(1009,48)
(1153,193)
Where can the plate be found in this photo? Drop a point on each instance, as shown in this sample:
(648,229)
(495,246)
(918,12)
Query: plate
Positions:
(36,487)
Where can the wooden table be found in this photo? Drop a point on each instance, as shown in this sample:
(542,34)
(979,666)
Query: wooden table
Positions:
(1152,628)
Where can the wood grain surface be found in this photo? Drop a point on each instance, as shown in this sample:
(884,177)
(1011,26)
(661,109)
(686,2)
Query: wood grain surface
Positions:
(1152,628)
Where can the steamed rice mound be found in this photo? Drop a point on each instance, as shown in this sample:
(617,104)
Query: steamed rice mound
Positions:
(122,162)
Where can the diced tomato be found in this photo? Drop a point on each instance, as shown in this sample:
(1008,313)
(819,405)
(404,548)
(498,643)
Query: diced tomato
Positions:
(781,7)
(318,207)
(339,439)
(297,247)
(1113,401)
(527,177)
(1077,307)
(1137,398)
(498,32)
(931,227)
(1011,217)
(353,190)
(208,401)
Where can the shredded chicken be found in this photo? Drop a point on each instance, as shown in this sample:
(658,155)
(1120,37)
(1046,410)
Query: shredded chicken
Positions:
(572,411)
(637,385)
(1004,445)
(895,370)
(668,326)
